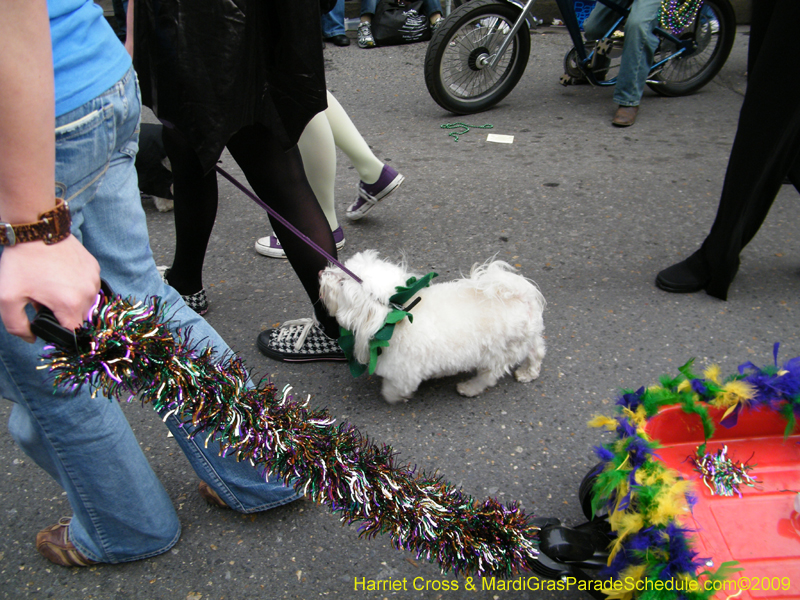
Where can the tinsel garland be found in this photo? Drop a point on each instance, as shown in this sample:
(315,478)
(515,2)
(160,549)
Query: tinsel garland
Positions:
(644,497)
(127,350)
(722,475)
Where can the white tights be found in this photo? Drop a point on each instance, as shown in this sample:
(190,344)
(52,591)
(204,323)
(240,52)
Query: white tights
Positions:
(317,145)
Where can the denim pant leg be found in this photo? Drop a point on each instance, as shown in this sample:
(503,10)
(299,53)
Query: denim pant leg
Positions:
(333,21)
(120,510)
(431,7)
(637,52)
(599,21)
(368,7)
(129,268)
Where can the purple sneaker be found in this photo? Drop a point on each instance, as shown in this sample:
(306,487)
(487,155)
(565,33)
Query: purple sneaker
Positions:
(271,246)
(369,194)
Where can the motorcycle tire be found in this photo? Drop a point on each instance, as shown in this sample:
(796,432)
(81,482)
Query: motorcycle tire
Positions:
(456,71)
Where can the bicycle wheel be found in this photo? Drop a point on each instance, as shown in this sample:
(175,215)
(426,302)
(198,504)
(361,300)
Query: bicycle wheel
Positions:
(457,73)
(712,32)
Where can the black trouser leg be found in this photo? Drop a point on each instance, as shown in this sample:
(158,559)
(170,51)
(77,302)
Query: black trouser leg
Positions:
(767,143)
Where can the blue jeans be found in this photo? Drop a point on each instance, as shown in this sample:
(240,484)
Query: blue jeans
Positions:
(429,7)
(121,512)
(638,50)
(333,22)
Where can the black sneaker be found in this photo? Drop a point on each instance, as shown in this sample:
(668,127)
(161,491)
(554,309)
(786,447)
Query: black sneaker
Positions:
(301,340)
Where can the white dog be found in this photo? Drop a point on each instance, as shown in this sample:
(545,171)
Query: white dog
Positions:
(489,322)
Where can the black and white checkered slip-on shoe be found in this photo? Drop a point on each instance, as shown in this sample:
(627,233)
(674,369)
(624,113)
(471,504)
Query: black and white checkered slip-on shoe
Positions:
(198,301)
(301,340)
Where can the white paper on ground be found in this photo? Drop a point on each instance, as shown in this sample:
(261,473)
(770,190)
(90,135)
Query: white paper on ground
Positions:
(500,139)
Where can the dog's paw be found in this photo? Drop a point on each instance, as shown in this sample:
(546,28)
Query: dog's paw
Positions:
(524,374)
(470,388)
(394,399)
(394,394)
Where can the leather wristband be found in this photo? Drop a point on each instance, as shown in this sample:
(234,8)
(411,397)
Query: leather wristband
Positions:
(52,227)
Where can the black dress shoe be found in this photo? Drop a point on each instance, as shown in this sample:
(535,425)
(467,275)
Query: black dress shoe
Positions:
(339,40)
(686,277)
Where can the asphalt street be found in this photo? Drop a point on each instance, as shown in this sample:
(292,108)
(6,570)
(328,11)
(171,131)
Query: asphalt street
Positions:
(588,211)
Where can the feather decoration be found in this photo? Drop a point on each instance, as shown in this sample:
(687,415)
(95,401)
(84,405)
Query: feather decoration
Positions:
(644,498)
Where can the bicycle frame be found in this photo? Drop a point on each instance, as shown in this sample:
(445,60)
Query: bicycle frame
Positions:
(567,9)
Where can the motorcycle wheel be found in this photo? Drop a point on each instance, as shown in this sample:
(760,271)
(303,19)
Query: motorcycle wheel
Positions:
(456,71)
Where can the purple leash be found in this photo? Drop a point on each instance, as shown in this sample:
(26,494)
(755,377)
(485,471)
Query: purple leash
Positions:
(285,223)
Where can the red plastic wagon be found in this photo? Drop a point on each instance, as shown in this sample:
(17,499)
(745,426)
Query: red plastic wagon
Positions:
(760,530)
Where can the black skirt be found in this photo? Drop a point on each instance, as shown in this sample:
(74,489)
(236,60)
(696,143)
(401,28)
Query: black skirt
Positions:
(211,67)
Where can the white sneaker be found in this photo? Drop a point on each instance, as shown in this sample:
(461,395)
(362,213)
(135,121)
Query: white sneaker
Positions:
(271,246)
(365,39)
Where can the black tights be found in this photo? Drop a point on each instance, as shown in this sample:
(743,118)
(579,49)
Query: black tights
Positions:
(277,177)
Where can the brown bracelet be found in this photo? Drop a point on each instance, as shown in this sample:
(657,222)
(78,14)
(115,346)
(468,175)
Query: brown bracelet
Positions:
(52,227)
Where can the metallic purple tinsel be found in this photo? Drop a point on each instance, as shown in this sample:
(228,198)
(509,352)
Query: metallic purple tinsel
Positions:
(721,474)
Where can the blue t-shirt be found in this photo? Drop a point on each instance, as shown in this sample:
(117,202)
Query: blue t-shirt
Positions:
(87,56)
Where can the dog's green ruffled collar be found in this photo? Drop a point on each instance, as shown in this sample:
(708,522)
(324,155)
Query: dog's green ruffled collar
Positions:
(381,339)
